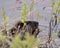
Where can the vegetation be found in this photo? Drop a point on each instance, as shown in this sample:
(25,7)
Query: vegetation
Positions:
(5,19)
(29,42)
(24,12)
(56,8)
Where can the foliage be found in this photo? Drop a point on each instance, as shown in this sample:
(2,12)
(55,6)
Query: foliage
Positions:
(53,3)
(24,11)
(54,35)
(38,16)
(29,42)
(5,19)
(59,19)
(56,5)
(32,6)
(4,40)
(2,37)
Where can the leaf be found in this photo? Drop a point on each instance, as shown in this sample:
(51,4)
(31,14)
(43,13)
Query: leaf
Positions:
(53,3)
(29,42)
(59,11)
(16,42)
(55,8)
(59,19)
(5,19)
(38,16)
(55,35)
(3,12)
(58,2)
(23,19)
(2,37)
(32,6)
(53,17)
(24,11)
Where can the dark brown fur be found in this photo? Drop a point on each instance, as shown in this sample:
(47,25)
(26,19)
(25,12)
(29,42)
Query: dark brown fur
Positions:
(19,24)
(31,29)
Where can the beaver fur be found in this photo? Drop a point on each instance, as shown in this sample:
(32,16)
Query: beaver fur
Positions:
(31,27)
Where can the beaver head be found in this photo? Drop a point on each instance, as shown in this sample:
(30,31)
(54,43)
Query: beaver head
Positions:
(19,25)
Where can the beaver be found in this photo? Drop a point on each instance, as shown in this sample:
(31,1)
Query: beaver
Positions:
(31,27)
(16,28)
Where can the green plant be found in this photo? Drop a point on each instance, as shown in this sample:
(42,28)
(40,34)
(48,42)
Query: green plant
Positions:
(38,16)
(2,37)
(56,6)
(55,35)
(59,19)
(24,11)
(5,19)
(29,42)
(32,6)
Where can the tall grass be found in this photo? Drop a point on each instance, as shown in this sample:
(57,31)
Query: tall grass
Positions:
(29,42)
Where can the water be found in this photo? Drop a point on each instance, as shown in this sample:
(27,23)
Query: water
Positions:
(15,14)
